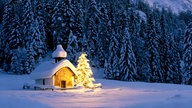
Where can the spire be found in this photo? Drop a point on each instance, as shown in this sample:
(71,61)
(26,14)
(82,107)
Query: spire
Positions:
(59,53)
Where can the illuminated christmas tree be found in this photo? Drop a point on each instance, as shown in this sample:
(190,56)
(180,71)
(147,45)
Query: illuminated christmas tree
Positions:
(85,73)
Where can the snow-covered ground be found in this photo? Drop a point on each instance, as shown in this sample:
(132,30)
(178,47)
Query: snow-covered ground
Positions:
(113,94)
(175,5)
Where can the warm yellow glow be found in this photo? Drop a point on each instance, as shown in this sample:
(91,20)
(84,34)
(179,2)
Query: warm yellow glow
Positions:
(64,78)
(85,73)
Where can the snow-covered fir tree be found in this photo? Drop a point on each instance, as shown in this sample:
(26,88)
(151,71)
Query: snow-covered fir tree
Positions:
(151,48)
(58,23)
(37,42)
(39,16)
(137,29)
(49,7)
(29,60)
(111,64)
(15,36)
(8,17)
(62,22)
(72,48)
(7,27)
(28,19)
(177,51)
(127,61)
(92,27)
(179,39)
(133,23)
(164,50)
(1,48)
(69,21)
(187,57)
(112,46)
(15,42)
(141,55)
(104,35)
(16,61)
(23,58)
(174,68)
(39,61)
(79,25)
(85,73)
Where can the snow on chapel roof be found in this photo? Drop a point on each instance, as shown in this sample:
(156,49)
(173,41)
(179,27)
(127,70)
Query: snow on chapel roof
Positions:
(59,52)
(48,69)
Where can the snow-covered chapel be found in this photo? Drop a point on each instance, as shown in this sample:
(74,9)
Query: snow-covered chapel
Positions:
(58,73)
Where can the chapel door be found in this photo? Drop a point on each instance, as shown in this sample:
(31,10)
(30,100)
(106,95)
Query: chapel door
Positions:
(63,84)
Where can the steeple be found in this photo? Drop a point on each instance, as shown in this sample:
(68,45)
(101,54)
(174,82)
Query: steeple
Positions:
(59,53)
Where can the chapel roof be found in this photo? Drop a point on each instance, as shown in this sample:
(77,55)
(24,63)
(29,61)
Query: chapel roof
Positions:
(48,69)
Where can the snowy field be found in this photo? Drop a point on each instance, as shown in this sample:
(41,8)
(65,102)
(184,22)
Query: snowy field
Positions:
(114,94)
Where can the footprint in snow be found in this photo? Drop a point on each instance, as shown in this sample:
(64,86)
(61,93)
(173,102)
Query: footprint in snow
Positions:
(177,96)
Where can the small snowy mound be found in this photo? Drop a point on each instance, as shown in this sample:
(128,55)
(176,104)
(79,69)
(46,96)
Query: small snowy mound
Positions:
(59,52)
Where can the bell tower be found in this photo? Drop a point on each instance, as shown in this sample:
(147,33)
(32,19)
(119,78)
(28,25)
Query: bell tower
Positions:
(59,54)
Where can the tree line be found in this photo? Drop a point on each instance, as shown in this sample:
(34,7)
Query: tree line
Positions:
(129,39)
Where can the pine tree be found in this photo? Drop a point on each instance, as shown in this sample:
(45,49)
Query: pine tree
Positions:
(133,22)
(141,55)
(173,72)
(23,59)
(179,39)
(112,46)
(151,48)
(16,61)
(111,65)
(85,73)
(127,61)
(15,36)
(164,51)
(39,13)
(34,37)
(69,21)
(62,22)
(29,61)
(187,57)
(49,7)
(15,43)
(58,23)
(8,17)
(137,29)
(7,27)
(49,10)
(28,19)
(104,35)
(79,25)
(72,48)
(177,51)
(92,31)
(37,42)
(1,49)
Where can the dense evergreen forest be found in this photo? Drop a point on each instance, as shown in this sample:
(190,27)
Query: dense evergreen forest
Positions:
(130,40)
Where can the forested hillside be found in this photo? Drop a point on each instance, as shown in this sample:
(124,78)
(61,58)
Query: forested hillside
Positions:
(130,40)
(175,6)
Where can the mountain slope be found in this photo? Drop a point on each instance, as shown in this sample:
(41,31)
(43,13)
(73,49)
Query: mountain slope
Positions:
(175,5)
